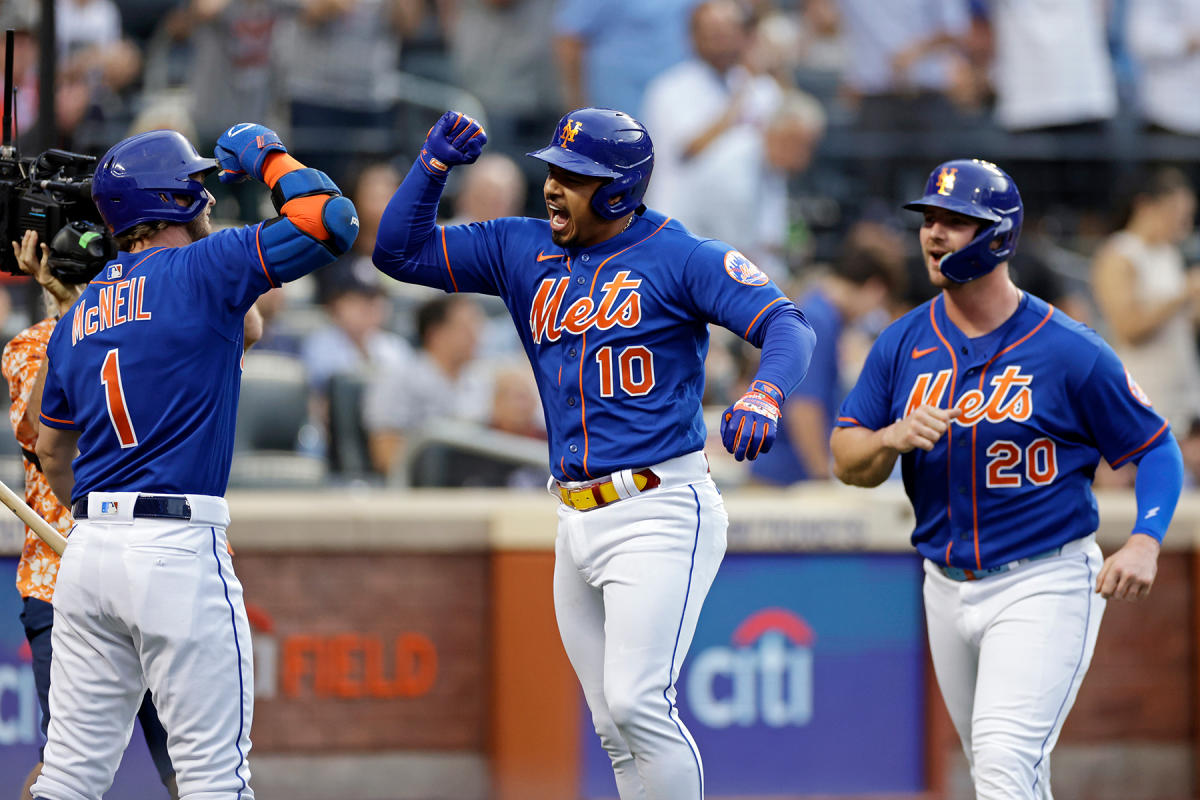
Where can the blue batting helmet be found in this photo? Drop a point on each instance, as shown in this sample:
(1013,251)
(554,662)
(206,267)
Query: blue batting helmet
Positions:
(140,178)
(981,190)
(604,143)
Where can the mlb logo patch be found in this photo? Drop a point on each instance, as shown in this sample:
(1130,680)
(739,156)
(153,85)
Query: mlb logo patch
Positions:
(108,506)
(114,272)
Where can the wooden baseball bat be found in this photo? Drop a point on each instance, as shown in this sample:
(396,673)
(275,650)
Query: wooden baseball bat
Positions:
(48,533)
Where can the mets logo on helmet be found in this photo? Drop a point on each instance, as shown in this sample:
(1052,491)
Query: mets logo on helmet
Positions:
(946,179)
(569,130)
(742,269)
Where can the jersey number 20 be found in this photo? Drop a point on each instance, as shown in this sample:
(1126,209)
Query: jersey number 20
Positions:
(114,395)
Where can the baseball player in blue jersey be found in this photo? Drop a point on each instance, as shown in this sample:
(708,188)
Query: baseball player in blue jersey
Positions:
(1000,407)
(612,302)
(143,379)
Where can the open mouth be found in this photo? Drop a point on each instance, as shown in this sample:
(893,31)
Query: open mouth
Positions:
(558,217)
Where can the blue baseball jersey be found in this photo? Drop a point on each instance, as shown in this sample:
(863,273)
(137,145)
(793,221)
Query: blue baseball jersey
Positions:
(147,366)
(1042,398)
(616,333)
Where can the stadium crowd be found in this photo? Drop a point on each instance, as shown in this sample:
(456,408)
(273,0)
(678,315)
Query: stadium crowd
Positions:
(792,129)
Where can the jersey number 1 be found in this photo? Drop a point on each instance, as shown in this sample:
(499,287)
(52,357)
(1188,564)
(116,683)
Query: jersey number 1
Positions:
(114,395)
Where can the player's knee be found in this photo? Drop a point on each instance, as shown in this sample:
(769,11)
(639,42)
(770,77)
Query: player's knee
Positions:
(627,708)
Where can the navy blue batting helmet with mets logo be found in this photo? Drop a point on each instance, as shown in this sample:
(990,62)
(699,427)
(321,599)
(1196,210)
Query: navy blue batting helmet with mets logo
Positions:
(604,143)
(980,190)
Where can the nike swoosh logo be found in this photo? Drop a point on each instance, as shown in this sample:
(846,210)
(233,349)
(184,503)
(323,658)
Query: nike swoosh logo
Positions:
(541,256)
(920,353)
(236,129)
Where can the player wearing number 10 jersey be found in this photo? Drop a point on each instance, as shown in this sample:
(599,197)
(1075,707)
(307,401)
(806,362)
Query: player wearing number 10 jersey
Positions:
(612,303)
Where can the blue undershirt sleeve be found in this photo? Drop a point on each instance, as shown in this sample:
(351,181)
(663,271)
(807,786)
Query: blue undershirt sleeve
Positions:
(787,348)
(1157,487)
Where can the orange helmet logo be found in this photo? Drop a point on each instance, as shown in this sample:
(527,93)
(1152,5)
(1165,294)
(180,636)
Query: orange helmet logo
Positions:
(569,130)
(945,180)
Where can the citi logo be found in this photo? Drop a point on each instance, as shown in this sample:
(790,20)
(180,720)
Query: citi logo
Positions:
(764,677)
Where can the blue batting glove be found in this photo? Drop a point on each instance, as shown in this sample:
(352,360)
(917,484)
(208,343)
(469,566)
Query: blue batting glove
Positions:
(454,139)
(243,149)
(748,426)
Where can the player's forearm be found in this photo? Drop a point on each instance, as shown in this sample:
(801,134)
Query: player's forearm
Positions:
(56,465)
(1157,488)
(861,457)
(406,237)
(787,347)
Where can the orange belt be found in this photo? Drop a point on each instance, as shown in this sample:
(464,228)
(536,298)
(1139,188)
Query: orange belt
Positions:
(602,492)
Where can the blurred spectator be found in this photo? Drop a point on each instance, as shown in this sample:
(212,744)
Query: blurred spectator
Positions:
(441,380)
(337,58)
(608,50)
(707,116)
(516,407)
(95,54)
(71,98)
(231,75)
(867,278)
(354,342)
(1149,300)
(493,187)
(820,44)
(907,61)
(1163,37)
(521,96)
(275,337)
(1052,66)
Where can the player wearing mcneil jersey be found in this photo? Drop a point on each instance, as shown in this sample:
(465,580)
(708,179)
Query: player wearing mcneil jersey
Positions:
(612,302)
(143,379)
(999,408)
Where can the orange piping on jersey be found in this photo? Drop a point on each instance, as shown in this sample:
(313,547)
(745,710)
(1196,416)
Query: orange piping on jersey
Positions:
(55,419)
(446,253)
(125,273)
(850,419)
(1131,453)
(759,314)
(583,340)
(582,400)
(950,427)
(261,260)
(975,428)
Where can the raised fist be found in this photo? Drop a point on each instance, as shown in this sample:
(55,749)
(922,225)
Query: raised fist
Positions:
(454,139)
(242,150)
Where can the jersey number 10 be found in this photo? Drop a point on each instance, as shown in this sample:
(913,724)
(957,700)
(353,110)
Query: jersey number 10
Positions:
(636,367)
(114,396)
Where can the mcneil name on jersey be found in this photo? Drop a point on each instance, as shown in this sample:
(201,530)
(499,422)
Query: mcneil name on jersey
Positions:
(116,304)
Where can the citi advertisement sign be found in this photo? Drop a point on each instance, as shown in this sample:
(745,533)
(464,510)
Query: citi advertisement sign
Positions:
(801,664)
(767,669)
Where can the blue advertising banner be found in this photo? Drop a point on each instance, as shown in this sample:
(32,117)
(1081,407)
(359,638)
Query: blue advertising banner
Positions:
(806,676)
(20,713)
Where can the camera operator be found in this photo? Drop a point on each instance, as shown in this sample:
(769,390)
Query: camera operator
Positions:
(77,253)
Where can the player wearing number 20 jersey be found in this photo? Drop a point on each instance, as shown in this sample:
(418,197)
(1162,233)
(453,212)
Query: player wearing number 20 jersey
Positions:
(1040,399)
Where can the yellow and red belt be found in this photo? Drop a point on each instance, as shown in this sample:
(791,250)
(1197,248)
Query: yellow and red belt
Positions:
(603,492)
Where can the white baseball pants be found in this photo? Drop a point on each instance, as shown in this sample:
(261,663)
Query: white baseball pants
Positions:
(1010,652)
(149,603)
(629,581)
